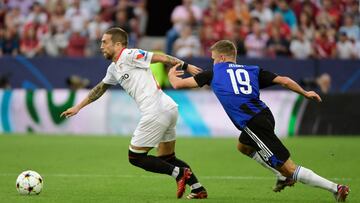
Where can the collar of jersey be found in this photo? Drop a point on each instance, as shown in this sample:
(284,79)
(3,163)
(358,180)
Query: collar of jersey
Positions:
(117,58)
(222,63)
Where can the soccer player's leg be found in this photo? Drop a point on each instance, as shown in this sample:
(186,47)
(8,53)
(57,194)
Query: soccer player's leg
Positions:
(148,135)
(259,142)
(309,177)
(197,190)
(166,152)
(281,181)
(138,156)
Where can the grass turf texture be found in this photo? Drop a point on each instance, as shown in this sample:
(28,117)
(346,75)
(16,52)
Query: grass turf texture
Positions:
(96,169)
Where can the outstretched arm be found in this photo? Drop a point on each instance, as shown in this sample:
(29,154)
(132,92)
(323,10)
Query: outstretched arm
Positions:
(171,61)
(179,83)
(93,95)
(292,85)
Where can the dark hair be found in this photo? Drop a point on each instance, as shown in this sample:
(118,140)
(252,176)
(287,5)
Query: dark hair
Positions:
(118,35)
(225,47)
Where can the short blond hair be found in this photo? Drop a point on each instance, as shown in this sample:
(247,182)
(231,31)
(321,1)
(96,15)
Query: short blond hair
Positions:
(225,47)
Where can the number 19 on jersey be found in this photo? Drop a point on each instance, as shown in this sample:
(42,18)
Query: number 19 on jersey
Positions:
(241,77)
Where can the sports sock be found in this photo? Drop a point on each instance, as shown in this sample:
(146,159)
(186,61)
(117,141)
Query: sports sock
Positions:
(197,187)
(308,177)
(150,163)
(171,158)
(258,159)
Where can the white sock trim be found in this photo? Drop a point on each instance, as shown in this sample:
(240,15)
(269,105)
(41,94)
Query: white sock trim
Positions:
(309,177)
(137,150)
(175,172)
(195,186)
(258,159)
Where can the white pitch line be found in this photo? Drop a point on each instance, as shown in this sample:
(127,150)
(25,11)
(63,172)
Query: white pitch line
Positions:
(158,176)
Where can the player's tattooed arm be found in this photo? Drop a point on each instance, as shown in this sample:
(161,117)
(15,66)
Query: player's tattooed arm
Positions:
(94,94)
(172,61)
(166,59)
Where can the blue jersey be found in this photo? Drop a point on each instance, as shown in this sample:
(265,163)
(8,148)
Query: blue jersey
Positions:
(237,88)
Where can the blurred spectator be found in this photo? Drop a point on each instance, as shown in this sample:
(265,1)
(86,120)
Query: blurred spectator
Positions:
(352,9)
(14,19)
(207,39)
(129,25)
(121,20)
(357,50)
(107,10)
(76,82)
(202,4)
(344,47)
(54,42)
(300,47)
(222,19)
(307,26)
(239,11)
(287,13)
(93,6)
(23,5)
(185,14)
(9,42)
(325,46)
(95,29)
(29,43)
(141,14)
(58,18)
(278,23)
(187,45)
(305,6)
(77,44)
(37,14)
(264,14)
(127,6)
(276,45)
(329,15)
(255,43)
(352,30)
(238,37)
(322,83)
(77,16)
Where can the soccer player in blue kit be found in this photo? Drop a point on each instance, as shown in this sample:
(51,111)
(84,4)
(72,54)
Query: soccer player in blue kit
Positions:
(237,88)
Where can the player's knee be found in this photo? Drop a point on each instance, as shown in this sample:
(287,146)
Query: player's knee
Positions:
(168,158)
(136,158)
(245,149)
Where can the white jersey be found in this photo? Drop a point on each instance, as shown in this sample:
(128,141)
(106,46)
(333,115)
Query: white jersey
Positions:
(132,71)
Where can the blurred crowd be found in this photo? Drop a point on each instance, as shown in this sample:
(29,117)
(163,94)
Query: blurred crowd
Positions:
(65,27)
(261,28)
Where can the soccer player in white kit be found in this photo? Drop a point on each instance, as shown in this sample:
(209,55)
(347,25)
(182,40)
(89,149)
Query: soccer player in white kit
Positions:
(131,69)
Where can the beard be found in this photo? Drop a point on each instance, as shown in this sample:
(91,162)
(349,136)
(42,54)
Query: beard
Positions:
(108,56)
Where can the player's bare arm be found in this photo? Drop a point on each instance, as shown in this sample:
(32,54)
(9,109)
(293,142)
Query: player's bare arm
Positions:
(93,95)
(171,61)
(178,82)
(292,85)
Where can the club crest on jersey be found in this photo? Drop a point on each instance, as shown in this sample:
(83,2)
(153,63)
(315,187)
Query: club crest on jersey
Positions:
(141,54)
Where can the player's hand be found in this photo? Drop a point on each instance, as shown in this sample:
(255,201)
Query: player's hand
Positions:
(174,72)
(313,95)
(193,70)
(70,112)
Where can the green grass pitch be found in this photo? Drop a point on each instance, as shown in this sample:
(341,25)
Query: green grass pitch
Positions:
(96,169)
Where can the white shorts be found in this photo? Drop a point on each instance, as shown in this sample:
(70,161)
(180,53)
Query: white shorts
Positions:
(153,129)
